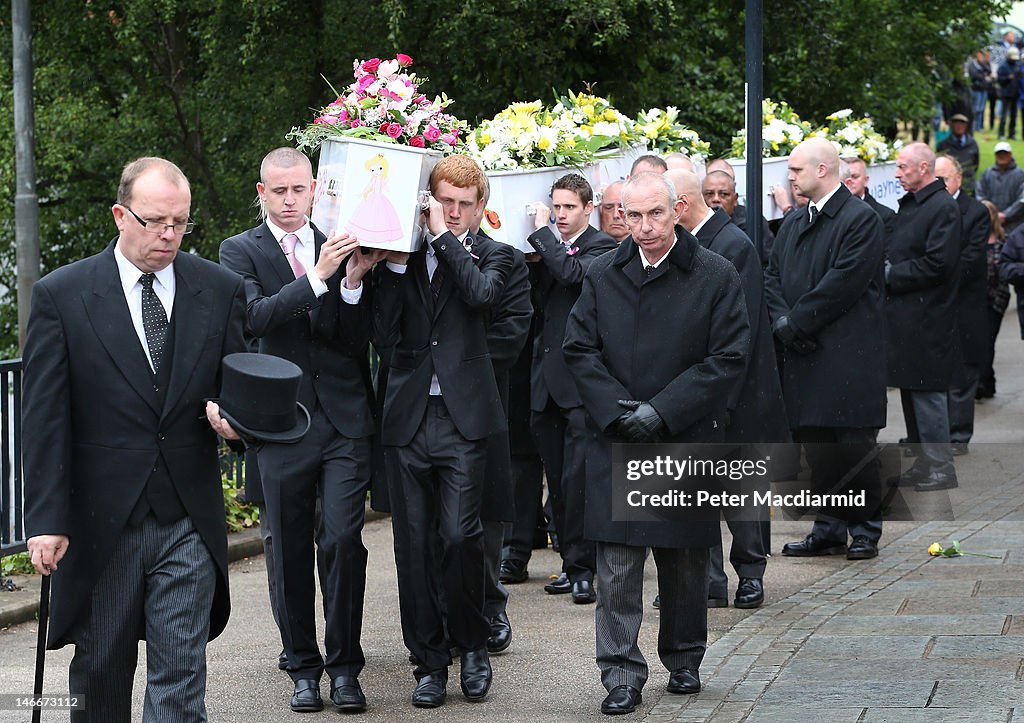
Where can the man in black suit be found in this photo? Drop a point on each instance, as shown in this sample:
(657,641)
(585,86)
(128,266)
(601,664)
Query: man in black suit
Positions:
(441,405)
(756,411)
(719,190)
(921,279)
(307,303)
(824,292)
(558,420)
(853,172)
(661,291)
(122,480)
(507,330)
(971,303)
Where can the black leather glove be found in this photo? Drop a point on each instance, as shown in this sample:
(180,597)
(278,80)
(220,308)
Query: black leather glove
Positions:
(615,428)
(643,424)
(791,337)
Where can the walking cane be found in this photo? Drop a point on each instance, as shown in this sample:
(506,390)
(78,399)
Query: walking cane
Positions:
(44,617)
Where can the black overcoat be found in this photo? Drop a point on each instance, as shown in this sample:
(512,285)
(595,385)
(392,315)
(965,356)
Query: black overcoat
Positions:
(757,412)
(676,338)
(827,277)
(923,246)
(972,293)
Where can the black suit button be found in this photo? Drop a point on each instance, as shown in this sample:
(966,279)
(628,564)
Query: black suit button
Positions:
(547,349)
(161,437)
(444,247)
(156,388)
(434,342)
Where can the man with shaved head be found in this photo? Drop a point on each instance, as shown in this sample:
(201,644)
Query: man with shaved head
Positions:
(853,172)
(921,276)
(756,411)
(660,292)
(824,287)
(679,161)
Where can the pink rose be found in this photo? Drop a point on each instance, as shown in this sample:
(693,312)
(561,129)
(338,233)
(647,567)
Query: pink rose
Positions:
(365,82)
(355,124)
(404,60)
(432,133)
(371,65)
(417,142)
(394,130)
(326,120)
(343,115)
(449,138)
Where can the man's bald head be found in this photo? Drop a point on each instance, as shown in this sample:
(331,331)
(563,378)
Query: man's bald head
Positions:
(915,167)
(814,168)
(679,160)
(720,164)
(693,208)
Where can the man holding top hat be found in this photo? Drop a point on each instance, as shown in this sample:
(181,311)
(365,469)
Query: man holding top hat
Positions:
(123,491)
(307,304)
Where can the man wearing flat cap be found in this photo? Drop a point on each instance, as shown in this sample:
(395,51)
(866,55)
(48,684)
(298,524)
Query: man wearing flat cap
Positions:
(960,144)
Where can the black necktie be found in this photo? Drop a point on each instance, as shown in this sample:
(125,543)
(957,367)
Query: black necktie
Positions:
(649,269)
(437,279)
(154,321)
(811,213)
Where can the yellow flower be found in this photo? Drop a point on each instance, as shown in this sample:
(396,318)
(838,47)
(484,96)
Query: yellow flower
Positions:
(587,129)
(570,142)
(935,549)
(769,118)
(609,115)
(485,138)
(589,110)
(544,143)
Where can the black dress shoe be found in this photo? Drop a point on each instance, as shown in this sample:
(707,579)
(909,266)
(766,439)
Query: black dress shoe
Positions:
(306,698)
(475,674)
(431,690)
(917,473)
(811,546)
(862,548)
(559,586)
(937,481)
(346,694)
(621,699)
(282,661)
(686,680)
(583,592)
(657,602)
(749,594)
(501,634)
(513,572)
(959,449)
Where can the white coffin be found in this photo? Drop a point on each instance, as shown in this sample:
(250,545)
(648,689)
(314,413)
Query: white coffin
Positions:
(372,191)
(775,172)
(506,217)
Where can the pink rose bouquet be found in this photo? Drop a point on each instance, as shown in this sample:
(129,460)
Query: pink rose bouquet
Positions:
(384,103)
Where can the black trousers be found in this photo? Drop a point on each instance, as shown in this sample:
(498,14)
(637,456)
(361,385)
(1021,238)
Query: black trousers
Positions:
(561,438)
(834,453)
(528,487)
(435,484)
(987,379)
(335,469)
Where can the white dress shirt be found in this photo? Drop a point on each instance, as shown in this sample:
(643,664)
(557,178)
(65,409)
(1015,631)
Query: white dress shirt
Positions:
(699,226)
(305,253)
(163,286)
(647,261)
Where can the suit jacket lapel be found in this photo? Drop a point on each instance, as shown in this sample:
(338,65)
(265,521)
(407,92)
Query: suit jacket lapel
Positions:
(193,312)
(271,249)
(318,241)
(108,313)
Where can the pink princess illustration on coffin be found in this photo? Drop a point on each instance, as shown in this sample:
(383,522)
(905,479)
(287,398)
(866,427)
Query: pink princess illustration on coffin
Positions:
(375,219)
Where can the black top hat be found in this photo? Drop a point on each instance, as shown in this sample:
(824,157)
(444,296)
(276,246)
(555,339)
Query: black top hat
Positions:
(258,396)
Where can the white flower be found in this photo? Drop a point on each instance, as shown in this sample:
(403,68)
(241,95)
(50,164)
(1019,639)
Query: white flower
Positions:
(388,69)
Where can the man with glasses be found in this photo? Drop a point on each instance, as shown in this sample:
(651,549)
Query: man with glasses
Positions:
(122,480)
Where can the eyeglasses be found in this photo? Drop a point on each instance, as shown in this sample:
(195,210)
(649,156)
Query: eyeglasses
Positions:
(158,227)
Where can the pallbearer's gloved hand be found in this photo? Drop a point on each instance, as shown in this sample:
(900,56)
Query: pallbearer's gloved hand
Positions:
(643,425)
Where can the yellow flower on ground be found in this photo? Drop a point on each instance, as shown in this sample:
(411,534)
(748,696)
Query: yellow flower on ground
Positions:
(935,549)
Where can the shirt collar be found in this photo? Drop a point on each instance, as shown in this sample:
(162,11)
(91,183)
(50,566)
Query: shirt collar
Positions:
(573,240)
(304,234)
(820,204)
(710,214)
(647,261)
(130,273)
